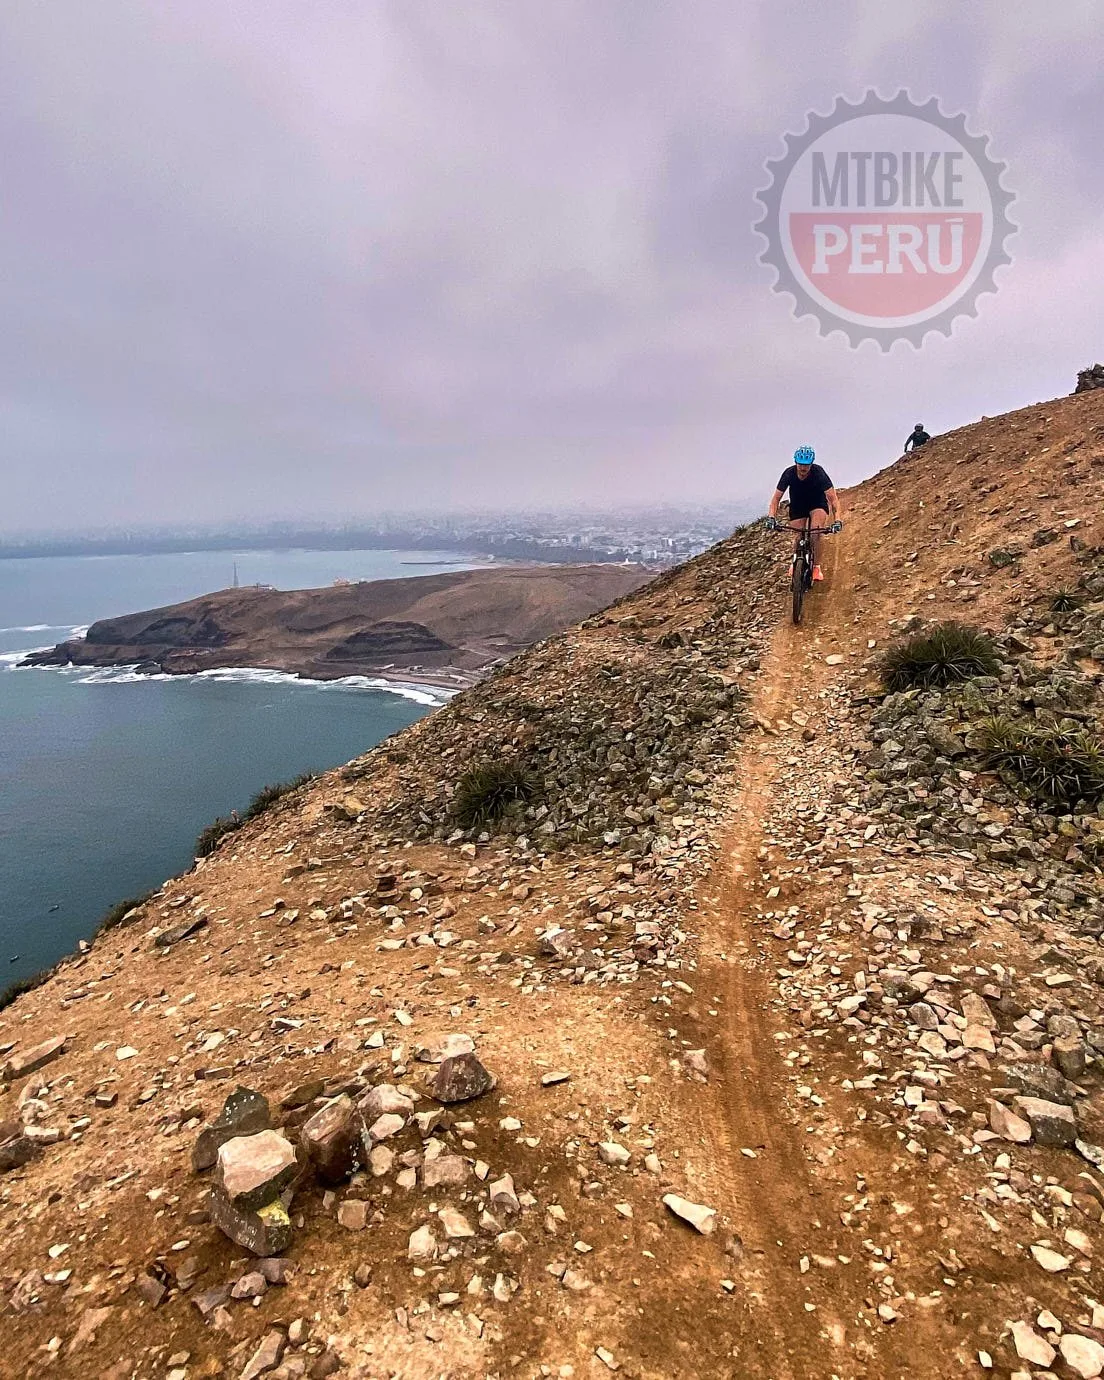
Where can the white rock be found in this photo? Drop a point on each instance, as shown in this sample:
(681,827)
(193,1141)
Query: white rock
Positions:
(702,1219)
(1030,1346)
(1050,1260)
(422,1244)
(456,1225)
(1083,1356)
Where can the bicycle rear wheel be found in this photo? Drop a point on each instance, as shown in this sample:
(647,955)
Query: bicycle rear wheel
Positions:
(798,585)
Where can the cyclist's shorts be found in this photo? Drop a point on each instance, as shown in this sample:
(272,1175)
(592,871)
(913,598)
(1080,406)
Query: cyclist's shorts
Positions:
(803,513)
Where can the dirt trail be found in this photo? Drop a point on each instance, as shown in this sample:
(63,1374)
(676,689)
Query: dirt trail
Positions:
(780,1201)
(771,1198)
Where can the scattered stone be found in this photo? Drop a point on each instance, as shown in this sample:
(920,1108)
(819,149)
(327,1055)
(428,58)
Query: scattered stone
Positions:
(92,1319)
(381,1160)
(267,1356)
(331,1141)
(422,1244)
(609,1152)
(703,1219)
(444,1169)
(1068,1054)
(151,1288)
(265,1232)
(385,1100)
(1052,1123)
(460,1078)
(302,1095)
(385,1126)
(444,1049)
(1007,1124)
(352,1213)
(249,1286)
(167,938)
(1030,1346)
(1049,1260)
(1037,1080)
(31,1060)
(455,1224)
(18,1150)
(1084,1356)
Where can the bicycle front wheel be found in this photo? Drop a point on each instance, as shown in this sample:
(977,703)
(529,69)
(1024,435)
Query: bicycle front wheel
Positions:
(798,586)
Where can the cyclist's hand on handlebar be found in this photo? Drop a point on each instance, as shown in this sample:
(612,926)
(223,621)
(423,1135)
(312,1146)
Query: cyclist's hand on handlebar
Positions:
(836,526)
(773,524)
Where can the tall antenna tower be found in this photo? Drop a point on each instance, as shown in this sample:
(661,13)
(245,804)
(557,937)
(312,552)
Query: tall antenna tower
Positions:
(235,575)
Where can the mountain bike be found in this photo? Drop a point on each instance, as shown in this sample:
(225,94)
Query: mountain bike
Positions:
(801,570)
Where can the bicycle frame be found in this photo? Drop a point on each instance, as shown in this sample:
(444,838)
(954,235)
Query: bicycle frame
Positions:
(801,572)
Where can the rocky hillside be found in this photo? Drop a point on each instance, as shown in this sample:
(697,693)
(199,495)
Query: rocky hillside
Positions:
(686,999)
(455,622)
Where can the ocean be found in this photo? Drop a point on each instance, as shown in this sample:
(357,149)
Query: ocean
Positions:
(107,777)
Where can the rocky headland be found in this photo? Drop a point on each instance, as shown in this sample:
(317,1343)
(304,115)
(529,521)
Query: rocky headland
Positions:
(442,629)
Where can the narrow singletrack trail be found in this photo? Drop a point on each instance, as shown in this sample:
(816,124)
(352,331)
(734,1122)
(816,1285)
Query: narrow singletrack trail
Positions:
(783,1204)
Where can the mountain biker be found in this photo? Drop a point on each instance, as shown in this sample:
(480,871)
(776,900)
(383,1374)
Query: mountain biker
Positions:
(811,495)
(917,437)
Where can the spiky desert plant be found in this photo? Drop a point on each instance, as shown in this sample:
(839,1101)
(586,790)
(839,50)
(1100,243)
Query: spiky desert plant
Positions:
(489,789)
(1064,601)
(947,655)
(1058,765)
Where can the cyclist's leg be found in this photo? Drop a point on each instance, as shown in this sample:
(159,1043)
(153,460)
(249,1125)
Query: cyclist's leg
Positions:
(796,526)
(819,519)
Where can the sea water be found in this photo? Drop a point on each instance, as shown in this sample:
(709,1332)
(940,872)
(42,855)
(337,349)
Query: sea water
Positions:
(107,776)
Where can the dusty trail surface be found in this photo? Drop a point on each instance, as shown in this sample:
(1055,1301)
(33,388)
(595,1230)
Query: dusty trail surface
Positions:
(757,935)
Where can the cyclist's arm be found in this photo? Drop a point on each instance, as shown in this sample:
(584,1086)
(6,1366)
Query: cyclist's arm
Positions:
(776,499)
(835,510)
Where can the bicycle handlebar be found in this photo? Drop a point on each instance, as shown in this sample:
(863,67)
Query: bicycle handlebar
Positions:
(824,531)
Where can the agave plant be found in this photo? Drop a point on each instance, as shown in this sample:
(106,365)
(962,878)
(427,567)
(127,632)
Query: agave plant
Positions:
(488,790)
(948,654)
(1059,765)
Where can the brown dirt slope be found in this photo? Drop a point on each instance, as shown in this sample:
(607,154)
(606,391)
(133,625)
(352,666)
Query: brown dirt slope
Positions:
(461,619)
(797,948)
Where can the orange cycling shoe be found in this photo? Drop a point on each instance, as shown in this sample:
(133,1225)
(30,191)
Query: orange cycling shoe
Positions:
(818,574)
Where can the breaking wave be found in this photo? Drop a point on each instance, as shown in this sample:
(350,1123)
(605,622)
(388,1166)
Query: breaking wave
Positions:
(430,695)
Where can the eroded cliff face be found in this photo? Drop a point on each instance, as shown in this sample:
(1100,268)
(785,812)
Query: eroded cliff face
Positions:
(461,620)
(760,1034)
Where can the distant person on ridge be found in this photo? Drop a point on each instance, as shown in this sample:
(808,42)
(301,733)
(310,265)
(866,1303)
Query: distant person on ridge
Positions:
(811,495)
(917,437)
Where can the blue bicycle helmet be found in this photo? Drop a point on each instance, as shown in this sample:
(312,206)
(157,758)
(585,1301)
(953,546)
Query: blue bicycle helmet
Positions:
(804,455)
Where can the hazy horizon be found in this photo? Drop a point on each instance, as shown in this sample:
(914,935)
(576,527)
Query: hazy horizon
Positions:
(275,263)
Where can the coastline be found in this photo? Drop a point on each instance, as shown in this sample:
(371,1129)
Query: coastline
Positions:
(426,687)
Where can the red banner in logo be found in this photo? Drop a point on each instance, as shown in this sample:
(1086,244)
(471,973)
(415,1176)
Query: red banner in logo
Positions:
(891,264)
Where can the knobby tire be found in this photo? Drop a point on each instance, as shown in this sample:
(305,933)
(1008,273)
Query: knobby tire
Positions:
(797,581)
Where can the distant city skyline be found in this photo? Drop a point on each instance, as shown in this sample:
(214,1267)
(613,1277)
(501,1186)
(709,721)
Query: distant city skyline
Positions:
(653,534)
(276,261)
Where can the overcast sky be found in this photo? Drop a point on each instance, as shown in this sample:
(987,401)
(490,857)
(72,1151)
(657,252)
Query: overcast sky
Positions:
(265,258)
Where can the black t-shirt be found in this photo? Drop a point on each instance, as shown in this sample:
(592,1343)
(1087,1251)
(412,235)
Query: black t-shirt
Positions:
(805,494)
